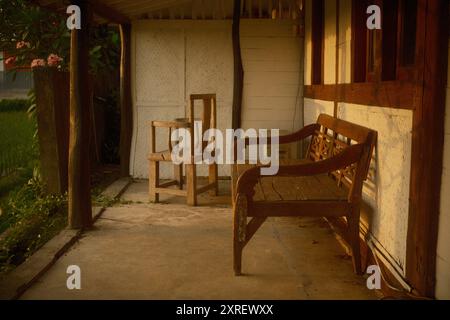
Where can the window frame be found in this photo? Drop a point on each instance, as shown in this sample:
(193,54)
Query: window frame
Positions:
(383,69)
(318,42)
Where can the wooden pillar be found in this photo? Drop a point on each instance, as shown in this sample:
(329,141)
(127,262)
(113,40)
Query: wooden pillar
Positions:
(80,212)
(126,115)
(238,81)
(427,146)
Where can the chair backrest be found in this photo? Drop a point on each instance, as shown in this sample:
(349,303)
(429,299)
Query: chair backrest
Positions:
(208,114)
(209,111)
(335,135)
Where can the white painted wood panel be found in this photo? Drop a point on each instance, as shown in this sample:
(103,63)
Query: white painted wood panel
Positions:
(271,55)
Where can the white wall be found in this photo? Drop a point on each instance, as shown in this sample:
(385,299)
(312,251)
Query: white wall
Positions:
(443,248)
(172,59)
(271,54)
(385,214)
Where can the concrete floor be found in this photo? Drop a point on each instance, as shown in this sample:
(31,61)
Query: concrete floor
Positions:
(171,251)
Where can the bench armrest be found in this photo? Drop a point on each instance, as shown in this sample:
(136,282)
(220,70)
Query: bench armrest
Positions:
(349,156)
(299,135)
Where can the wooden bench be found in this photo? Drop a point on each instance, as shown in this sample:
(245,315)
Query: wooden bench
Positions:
(327,183)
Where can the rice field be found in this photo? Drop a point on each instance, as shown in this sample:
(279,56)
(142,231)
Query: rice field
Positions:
(16,141)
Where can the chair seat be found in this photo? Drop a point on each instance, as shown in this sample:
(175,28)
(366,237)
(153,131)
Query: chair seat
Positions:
(160,156)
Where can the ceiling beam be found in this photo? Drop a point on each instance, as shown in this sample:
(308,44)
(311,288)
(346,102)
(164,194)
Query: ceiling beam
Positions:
(108,13)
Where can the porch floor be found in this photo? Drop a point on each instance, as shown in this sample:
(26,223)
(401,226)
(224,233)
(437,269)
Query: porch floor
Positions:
(171,251)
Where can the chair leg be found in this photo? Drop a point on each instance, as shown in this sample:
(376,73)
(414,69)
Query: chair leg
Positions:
(153,180)
(213,178)
(353,226)
(178,175)
(191,184)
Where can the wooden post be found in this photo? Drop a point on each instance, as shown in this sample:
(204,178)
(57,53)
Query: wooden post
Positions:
(126,115)
(427,146)
(238,68)
(80,211)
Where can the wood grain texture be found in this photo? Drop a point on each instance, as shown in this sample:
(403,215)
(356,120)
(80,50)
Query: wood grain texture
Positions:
(389,94)
(126,107)
(427,147)
(209,120)
(238,82)
(309,187)
(79,188)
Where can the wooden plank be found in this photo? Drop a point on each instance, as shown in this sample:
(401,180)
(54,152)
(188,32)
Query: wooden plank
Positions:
(126,110)
(388,94)
(427,147)
(79,187)
(350,130)
(238,79)
(174,192)
(336,61)
(170,124)
(108,12)
(359,41)
(318,34)
(252,227)
(153,181)
(299,208)
(168,184)
(205,188)
(191,182)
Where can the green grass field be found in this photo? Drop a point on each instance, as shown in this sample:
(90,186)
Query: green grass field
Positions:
(16,141)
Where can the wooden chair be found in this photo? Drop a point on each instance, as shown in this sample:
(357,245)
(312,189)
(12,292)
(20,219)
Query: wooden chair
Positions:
(328,183)
(209,120)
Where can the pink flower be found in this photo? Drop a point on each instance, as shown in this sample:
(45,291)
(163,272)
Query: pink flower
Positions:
(10,60)
(22,44)
(54,60)
(38,63)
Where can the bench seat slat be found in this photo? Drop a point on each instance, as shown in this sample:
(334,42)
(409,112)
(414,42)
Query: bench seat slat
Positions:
(320,187)
(321,208)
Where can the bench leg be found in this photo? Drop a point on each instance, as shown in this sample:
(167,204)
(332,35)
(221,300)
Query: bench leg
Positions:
(153,181)
(353,226)
(239,231)
(237,258)
(213,177)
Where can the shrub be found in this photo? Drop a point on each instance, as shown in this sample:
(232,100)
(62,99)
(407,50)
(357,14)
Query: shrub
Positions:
(34,218)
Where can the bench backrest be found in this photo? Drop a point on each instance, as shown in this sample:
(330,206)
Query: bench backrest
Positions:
(335,135)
